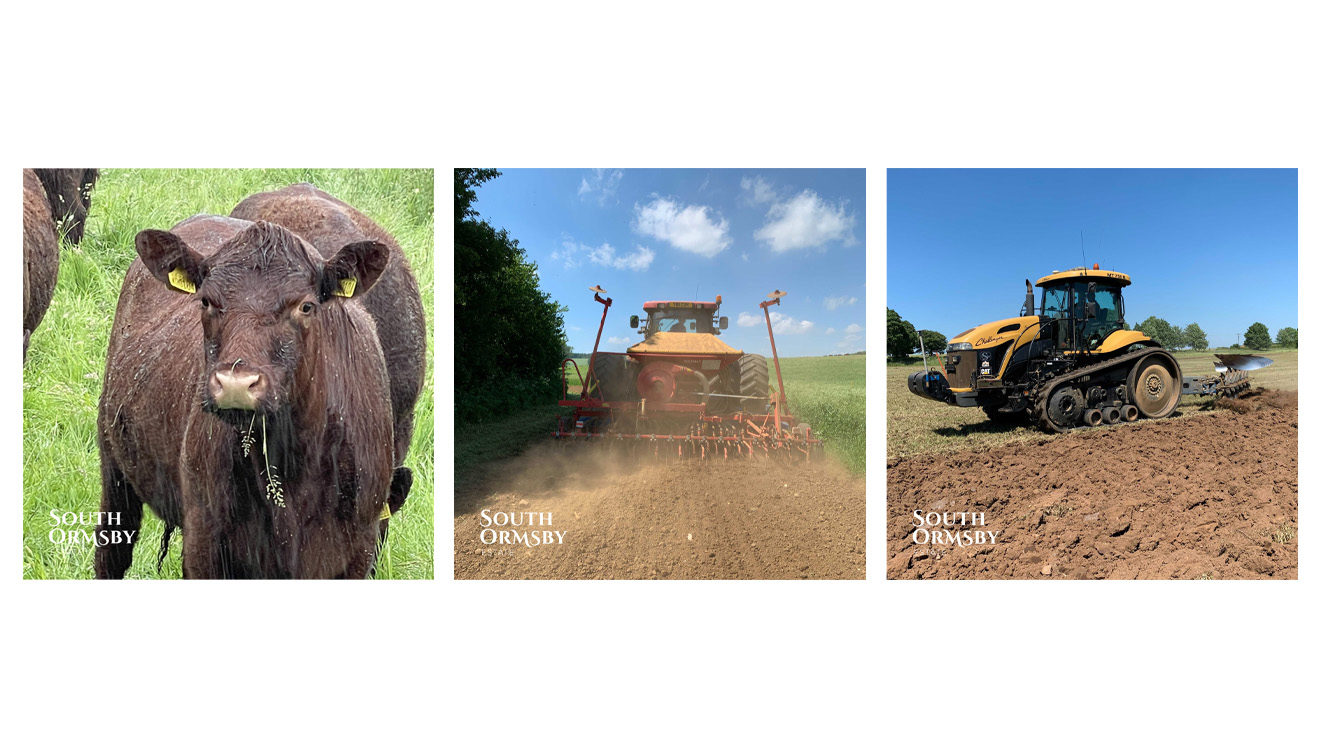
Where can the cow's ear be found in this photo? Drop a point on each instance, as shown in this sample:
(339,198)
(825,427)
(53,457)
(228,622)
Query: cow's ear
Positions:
(171,260)
(354,270)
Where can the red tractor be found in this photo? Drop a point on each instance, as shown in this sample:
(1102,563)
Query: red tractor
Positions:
(684,389)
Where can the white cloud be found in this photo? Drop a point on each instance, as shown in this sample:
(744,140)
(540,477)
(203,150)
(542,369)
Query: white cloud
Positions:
(567,254)
(573,254)
(745,257)
(691,228)
(853,338)
(834,302)
(618,341)
(639,259)
(804,222)
(829,331)
(757,191)
(784,325)
(603,183)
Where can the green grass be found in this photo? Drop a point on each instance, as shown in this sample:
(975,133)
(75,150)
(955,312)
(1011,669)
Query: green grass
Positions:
(66,361)
(480,443)
(829,392)
(917,426)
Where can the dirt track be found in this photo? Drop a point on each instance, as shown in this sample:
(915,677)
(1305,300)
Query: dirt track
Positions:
(735,519)
(1213,496)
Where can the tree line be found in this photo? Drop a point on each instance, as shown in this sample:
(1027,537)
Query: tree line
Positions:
(508,333)
(903,340)
(1256,337)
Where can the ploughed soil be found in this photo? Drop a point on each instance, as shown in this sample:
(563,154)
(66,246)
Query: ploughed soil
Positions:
(1207,497)
(746,518)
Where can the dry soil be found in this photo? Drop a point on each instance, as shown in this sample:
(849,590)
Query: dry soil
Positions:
(735,519)
(1207,497)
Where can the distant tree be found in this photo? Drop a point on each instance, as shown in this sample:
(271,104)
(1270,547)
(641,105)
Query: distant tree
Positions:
(933,340)
(1194,337)
(899,334)
(1158,330)
(1286,337)
(1177,338)
(1257,337)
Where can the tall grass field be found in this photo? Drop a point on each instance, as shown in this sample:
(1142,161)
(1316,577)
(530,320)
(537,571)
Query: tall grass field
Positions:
(917,425)
(66,361)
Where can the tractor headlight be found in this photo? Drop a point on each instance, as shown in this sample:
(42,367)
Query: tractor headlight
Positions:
(960,346)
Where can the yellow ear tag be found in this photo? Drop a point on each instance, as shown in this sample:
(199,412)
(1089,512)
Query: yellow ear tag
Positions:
(385,511)
(346,287)
(181,281)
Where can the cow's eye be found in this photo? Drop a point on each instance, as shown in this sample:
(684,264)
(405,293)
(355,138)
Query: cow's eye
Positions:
(308,307)
(206,304)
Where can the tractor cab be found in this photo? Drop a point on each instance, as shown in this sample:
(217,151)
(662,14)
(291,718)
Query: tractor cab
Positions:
(1082,306)
(680,317)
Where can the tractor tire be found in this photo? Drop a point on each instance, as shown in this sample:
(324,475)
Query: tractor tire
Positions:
(1156,386)
(616,375)
(1065,408)
(753,381)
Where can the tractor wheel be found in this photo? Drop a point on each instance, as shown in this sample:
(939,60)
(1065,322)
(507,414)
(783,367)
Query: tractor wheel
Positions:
(1065,407)
(615,376)
(1155,386)
(754,381)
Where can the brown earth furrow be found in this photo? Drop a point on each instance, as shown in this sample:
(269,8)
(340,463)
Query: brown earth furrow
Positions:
(622,519)
(1211,497)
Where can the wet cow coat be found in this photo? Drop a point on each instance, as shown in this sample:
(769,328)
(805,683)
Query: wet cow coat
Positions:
(395,304)
(69,193)
(246,400)
(41,255)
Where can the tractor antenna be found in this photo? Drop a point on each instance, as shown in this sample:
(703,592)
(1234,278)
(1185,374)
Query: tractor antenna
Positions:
(1083,235)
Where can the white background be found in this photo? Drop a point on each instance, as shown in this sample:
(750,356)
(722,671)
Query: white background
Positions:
(666,84)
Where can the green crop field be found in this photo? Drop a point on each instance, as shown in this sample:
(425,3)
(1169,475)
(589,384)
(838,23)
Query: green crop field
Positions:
(917,425)
(65,366)
(828,392)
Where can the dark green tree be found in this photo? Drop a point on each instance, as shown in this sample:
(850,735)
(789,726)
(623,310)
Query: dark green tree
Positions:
(934,341)
(1257,337)
(900,335)
(509,334)
(1286,337)
(1194,337)
(1158,330)
(1177,338)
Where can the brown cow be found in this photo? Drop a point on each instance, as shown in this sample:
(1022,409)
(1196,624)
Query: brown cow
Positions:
(396,305)
(41,255)
(69,192)
(246,400)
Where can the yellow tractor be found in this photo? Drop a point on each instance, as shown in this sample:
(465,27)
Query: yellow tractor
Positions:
(1070,362)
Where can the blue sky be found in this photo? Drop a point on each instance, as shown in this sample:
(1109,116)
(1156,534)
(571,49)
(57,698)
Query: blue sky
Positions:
(689,234)
(1213,246)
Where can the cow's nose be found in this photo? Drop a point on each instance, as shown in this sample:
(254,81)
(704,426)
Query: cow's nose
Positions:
(238,391)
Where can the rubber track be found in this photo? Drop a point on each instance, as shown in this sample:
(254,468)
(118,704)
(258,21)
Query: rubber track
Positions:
(1042,400)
